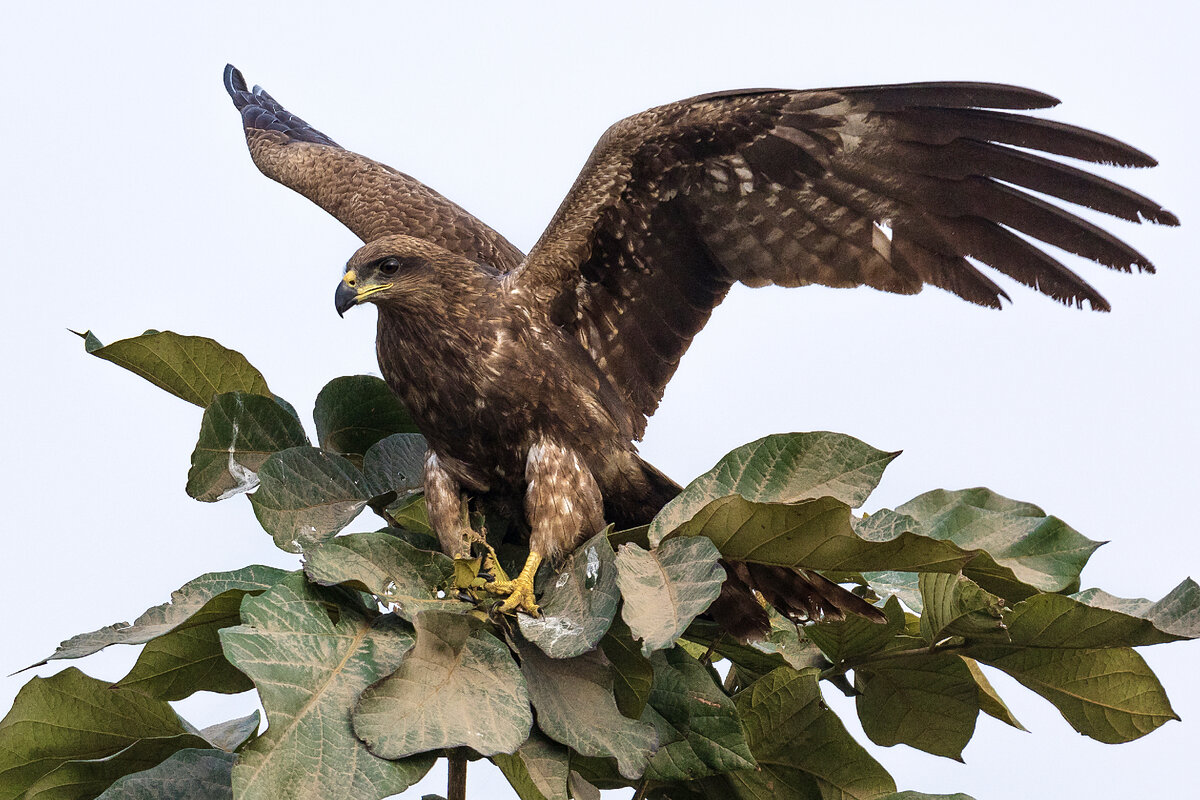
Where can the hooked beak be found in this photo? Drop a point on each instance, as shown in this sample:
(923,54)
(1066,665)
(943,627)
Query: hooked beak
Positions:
(351,292)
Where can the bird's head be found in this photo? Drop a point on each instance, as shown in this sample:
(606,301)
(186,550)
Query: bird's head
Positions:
(400,273)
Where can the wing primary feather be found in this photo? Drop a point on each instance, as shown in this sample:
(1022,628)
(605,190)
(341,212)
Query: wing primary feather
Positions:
(964,158)
(952,94)
(943,125)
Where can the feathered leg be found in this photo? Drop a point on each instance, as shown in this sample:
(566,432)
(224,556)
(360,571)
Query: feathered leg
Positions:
(563,506)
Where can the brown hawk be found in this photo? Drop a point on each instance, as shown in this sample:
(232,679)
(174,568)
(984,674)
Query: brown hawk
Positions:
(532,376)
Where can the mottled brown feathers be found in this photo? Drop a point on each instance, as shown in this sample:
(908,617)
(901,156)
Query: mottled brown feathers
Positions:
(528,372)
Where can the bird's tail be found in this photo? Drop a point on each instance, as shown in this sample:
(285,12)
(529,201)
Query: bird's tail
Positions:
(798,594)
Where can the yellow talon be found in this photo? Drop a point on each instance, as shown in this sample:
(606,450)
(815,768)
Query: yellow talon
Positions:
(519,589)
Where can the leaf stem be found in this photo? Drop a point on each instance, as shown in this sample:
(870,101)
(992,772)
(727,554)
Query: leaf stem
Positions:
(456,775)
(641,790)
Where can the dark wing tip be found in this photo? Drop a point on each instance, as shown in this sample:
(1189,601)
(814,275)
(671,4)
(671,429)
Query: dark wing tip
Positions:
(234,83)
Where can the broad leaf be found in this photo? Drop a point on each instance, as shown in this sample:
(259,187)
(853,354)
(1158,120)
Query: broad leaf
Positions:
(191,367)
(84,779)
(698,728)
(1110,695)
(578,603)
(903,585)
(1054,620)
(989,699)
(232,734)
(356,411)
(791,732)
(238,433)
(929,702)
(395,463)
(407,578)
(1175,616)
(309,670)
(632,673)
(575,705)
(185,602)
(306,495)
(189,659)
(69,718)
(855,636)
(1024,550)
(186,775)
(784,468)
(409,513)
(457,687)
(664,589)
(817,534)
(957,606)
(537,770)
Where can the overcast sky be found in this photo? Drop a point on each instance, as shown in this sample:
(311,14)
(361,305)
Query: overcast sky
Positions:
(129,202)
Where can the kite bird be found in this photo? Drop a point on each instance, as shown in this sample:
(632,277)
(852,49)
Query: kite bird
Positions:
(531,376)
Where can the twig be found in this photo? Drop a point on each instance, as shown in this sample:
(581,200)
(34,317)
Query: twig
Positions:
(641,790)
(456,778)
(845,666)
(706,659)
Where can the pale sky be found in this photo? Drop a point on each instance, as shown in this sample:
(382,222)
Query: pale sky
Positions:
(129,202)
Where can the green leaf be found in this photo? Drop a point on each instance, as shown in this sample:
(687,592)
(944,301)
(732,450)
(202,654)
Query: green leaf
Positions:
(903,585)
(1054,620)
(1175,616)
(784,468)
(232,734)
(187,775)
(856,637)
(792,642)
(575,706)
(457,687)
(1024,551)
(989,699)
(189,659)
(791,732)
(578,604)
(957,606)
(309,670)
(699,732)
(752,662)
(162,619)
(356,411)
(816,534)
(929,702)
(633,675)
(238,433)
(409,513)
(1079,658)
(306,495)
(190,367)
(69,718)
(664,589)
(395,463)
(86,778)
(408,578)
(580,788)
(1108,694)
(537,770)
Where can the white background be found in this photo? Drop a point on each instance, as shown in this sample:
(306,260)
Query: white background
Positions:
(129,202)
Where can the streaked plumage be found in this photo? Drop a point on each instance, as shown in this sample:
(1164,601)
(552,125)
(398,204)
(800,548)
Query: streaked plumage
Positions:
(541,370)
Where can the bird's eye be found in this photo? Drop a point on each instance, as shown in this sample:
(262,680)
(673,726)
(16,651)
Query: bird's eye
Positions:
(389,266)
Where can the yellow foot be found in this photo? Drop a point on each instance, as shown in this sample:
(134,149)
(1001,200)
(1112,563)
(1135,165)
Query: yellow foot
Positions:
(519,590)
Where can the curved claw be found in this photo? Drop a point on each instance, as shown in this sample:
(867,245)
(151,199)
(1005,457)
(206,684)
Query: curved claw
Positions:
(519,590)
(520,596)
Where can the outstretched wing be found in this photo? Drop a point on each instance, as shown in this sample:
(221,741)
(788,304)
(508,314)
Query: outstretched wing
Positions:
(369,198)
(884,186)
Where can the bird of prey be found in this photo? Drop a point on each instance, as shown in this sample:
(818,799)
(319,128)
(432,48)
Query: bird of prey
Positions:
(532,376)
